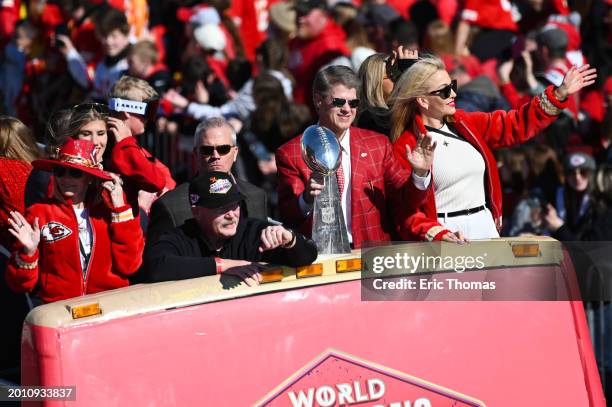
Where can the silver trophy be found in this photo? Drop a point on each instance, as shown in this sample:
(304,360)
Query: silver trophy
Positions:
(321,152)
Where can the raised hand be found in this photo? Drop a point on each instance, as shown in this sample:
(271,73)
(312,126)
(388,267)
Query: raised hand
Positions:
(406,53)
(118,129)
(176,99)
(115,187)
(28,235)
(576,79)
(63,43)
(421,158)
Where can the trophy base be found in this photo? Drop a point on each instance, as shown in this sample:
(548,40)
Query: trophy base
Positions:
(328,227)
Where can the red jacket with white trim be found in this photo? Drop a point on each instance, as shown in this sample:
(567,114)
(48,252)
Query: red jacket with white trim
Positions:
(54,272)
(485,131)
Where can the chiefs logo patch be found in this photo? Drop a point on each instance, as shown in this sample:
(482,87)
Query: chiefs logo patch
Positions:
(54,231)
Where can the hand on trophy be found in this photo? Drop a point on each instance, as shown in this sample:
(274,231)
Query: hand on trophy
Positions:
(313,187)
(421,158)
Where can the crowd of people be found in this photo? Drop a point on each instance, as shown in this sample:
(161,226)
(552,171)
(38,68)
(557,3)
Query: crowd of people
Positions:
(145,141)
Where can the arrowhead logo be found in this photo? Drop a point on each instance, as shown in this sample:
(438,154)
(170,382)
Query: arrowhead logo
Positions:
(339,379)
(54,231)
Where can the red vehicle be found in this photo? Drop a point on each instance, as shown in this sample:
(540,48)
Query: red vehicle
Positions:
(306,338)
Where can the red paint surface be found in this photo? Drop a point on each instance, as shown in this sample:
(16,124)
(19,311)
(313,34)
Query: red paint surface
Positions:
(234,353)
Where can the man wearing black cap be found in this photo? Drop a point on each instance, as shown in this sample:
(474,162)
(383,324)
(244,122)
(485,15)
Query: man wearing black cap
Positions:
(218,241)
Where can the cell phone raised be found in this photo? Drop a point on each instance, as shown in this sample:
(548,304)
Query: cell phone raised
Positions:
(61,29)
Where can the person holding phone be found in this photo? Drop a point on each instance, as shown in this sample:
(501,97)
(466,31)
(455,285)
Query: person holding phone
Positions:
(465,202)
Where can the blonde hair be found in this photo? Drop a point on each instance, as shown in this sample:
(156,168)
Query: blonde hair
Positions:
(138,90)
(145,50)
(67,123)
(371,74)
(412,84)
(16,140)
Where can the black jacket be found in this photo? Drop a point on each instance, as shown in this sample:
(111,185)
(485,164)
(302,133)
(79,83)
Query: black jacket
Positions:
(377,119)
(182,253)
(173,209)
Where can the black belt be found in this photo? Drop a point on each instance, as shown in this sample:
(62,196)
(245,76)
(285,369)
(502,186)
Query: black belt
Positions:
(461,213)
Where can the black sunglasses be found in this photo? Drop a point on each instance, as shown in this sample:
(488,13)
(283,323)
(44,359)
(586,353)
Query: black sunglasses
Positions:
(97,107)
(339,102)
(445,92)
(582,171)
(72,172)
(209,150)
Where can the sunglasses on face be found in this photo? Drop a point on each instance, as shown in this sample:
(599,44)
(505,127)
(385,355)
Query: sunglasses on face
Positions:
(339,102)
(210,150)
(584,172)
(445,92)
(71,172)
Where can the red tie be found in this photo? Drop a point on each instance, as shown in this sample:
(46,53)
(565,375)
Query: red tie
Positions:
(340,177)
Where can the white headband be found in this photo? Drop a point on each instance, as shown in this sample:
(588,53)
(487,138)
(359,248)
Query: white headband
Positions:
(129,106)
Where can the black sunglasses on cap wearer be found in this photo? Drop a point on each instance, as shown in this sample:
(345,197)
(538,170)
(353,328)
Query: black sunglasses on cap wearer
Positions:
(584,172)
(223,149)
(445,92)
(71,172)
(339,102)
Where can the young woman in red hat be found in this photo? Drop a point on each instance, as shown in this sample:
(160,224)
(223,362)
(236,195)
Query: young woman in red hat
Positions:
(81,240)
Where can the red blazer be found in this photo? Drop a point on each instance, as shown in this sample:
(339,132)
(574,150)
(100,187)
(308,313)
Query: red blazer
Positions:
(56,269)
(485,131)
(382,192)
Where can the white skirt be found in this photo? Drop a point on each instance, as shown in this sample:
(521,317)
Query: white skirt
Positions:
(476,226)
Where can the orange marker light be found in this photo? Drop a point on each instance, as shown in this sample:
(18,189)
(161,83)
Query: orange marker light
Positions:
(343,266)
(310,271)
(526,250)
(271,275)
(87,310)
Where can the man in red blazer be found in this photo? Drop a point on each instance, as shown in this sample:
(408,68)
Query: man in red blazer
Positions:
(377,193)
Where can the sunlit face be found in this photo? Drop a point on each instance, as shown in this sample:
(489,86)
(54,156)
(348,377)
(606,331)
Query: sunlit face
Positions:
(436,106)
(136,123)
(23,40)
(578,179)
(138,67)
(220,223)
(387,86)
(95,131)
(536,4)
(337,119)
(114,43)
(218,136)
(71,187)
(311,24)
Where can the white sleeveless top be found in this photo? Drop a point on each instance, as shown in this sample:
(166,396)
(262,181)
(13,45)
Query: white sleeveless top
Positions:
(458,172)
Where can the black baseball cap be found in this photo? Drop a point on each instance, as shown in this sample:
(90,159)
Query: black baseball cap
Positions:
(303,7)
(578,161)
(213,190)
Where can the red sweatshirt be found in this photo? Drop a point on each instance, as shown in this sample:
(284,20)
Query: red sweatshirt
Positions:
(54,272)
